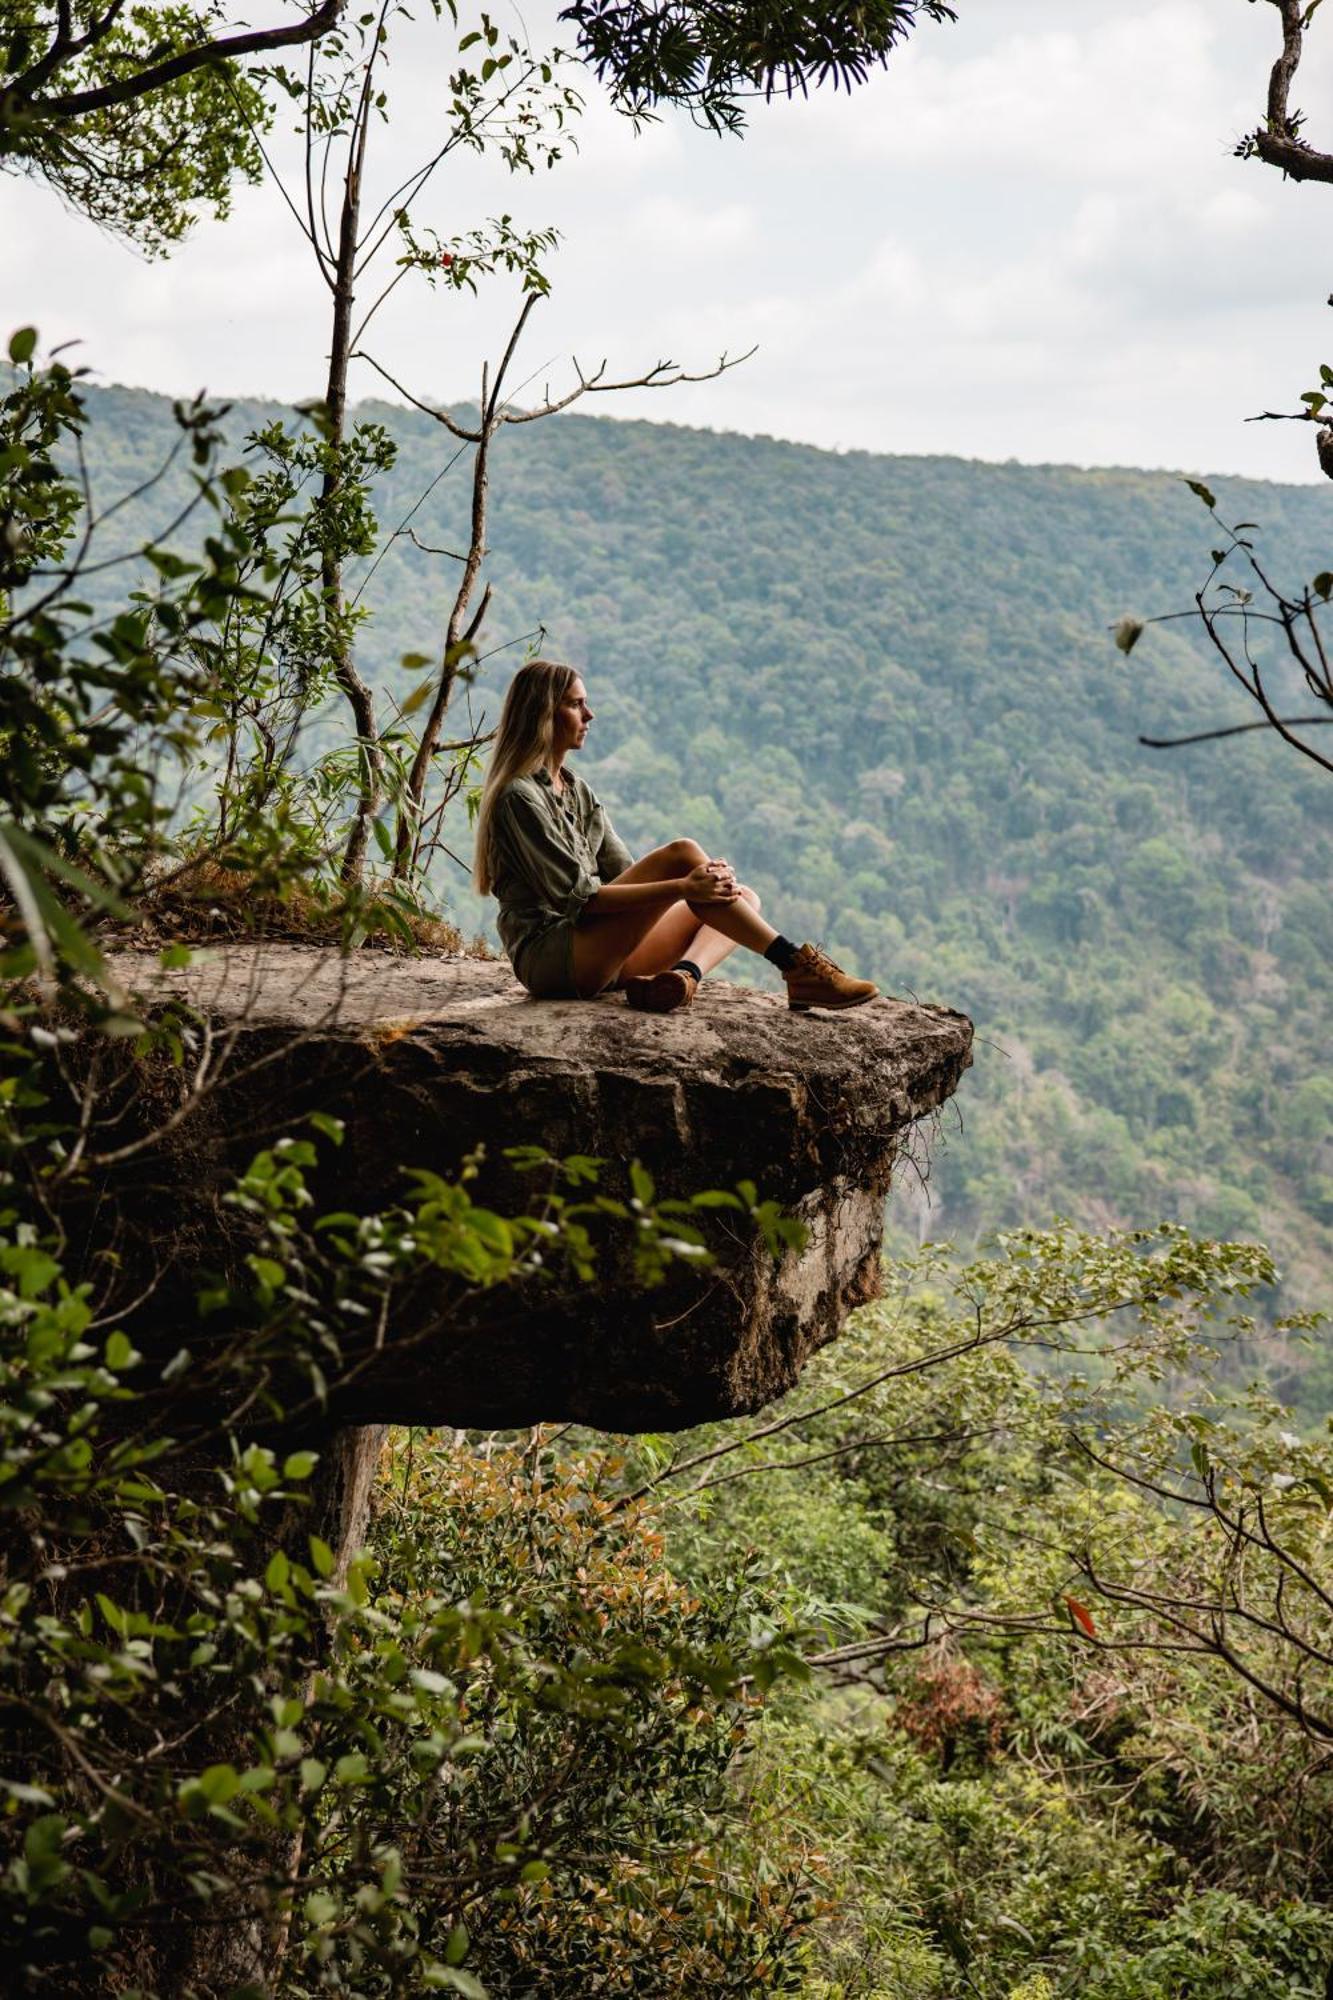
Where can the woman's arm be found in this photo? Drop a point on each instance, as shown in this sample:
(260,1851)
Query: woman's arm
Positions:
(710,882)
(613,857)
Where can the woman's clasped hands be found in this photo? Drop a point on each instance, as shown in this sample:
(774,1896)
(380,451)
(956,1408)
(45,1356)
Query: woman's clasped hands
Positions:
(712,882)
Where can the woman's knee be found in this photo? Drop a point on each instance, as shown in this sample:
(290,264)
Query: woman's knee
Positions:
(684,853)
(750,896)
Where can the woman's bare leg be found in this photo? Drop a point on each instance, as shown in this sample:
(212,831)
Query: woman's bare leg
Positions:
(678,935)
(738,922)
(604,946)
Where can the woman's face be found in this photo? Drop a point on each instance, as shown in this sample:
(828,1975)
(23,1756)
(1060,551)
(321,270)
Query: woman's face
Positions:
(572,718)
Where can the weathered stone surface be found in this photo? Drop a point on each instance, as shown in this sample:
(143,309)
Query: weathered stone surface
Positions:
(425,1057)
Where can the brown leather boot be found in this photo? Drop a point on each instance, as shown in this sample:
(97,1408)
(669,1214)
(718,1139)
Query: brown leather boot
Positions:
(661,993)
(813,980)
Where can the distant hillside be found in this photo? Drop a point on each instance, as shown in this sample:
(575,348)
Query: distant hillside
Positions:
(885,686)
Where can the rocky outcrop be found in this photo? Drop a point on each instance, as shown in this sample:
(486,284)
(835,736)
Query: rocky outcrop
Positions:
(423,1058)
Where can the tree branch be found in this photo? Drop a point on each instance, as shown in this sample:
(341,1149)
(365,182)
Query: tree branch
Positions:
(210,54)
(1277,141)
(1236,729)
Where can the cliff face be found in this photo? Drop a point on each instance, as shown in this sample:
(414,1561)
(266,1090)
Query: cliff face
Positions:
(424,1058)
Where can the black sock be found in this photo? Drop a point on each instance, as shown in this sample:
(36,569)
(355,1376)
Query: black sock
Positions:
(782,953)
(688,965)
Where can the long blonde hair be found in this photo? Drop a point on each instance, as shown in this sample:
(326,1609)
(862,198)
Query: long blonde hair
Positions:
(523,743)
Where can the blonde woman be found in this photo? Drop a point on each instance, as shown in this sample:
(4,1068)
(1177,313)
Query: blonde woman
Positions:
(578,913)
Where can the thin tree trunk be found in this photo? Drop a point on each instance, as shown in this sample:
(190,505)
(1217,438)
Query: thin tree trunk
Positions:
(457,635)
(455,640)
(358,694)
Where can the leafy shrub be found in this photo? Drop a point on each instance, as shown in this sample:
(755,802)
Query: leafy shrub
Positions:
(504,1739)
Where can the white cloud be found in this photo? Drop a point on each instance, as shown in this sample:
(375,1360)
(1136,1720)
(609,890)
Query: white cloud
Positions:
(1111,98)
(678,228)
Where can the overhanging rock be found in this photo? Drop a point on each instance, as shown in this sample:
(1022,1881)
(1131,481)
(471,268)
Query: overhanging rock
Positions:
(424,1058)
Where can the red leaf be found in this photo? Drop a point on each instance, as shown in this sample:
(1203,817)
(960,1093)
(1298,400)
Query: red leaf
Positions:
(1082,1616)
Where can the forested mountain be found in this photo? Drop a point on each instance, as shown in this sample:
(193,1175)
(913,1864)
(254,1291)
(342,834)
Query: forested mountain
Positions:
(886,688)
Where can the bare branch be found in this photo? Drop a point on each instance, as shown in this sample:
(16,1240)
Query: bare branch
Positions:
(662,375)
(426,409)
(1277,141)
(1236,729)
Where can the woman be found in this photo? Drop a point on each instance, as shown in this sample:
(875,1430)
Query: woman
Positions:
(577,913)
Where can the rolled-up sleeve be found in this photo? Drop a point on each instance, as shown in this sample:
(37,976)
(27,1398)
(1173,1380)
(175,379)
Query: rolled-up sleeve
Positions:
(534,848)
(613,857)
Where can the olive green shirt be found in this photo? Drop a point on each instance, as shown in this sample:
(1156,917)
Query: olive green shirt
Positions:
(549,856)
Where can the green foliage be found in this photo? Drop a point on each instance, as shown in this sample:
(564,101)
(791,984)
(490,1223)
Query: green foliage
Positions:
(619,1768)
(88,707)
(1056,1744)
(163,739)
(490,1744)
(144,166)
(711,58)
(300,513)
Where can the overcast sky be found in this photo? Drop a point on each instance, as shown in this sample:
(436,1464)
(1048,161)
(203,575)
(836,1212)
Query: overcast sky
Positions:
(1028,239)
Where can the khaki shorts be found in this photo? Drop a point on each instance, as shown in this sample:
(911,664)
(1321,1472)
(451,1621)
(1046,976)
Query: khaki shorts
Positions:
(545,964)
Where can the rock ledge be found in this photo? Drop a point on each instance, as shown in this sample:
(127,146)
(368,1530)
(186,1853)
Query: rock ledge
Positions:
(425,1057)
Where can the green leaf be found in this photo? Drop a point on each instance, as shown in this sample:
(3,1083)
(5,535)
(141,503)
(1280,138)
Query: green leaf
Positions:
(431,1682)
(419,696)
(1128,633)
(219,1783)
(332,1128)
(33,1271)
(112,1613)
(119,1352)
(321,1555)
(456,1981)
(122,1027)
(23,862)
(1204,493)
(22,345)
(26,1795)
(278,1571)
(299,1464)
